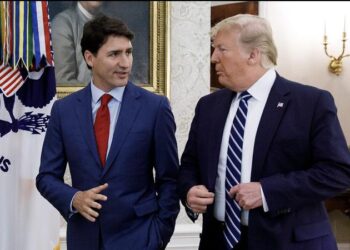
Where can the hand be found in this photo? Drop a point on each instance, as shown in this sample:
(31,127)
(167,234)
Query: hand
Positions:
(247,195)
(198,198)
(85,202)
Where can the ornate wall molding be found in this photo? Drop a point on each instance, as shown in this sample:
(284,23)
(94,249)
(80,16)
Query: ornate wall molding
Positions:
(190,66)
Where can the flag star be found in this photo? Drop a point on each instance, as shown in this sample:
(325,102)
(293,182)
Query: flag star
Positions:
(280,105)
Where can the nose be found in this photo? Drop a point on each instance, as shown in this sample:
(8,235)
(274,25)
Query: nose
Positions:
(214,57)
(125,60)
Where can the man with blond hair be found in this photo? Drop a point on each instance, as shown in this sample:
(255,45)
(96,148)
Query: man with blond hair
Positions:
(264,152)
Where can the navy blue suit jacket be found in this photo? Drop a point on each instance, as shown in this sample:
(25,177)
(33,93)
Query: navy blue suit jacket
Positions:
(300,158)
(141,209)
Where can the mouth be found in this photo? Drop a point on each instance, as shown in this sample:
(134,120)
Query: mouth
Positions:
(122,74)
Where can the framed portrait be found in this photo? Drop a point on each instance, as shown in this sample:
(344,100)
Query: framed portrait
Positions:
(148,20)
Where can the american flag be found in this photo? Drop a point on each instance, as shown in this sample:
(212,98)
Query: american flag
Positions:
(11,80)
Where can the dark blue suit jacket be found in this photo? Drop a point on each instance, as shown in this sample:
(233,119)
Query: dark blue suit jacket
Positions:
(141,209)
(300,159)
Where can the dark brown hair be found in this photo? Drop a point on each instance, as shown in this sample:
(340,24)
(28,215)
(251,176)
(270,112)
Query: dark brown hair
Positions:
(97,31)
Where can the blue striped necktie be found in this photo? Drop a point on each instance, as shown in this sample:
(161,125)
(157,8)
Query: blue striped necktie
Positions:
(232,230)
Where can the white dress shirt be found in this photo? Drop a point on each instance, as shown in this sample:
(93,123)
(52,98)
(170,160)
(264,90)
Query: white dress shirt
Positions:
(259,91)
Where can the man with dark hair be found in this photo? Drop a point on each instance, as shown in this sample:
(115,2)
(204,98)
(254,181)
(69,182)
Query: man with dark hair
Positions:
(112,134)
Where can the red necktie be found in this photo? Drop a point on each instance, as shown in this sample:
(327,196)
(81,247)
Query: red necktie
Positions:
(101,127)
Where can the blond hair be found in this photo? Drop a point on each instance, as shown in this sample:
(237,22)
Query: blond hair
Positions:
(255,32)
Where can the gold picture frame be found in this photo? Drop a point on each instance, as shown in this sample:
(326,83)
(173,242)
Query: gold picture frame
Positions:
(159,53)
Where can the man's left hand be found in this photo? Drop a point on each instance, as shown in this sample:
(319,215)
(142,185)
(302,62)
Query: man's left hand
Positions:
(247,195)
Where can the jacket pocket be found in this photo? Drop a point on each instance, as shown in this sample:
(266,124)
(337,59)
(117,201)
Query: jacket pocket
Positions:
(146,207)
(312,231)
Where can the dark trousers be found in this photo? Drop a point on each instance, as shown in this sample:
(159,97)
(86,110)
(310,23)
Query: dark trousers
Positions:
(212,237)
(243,242)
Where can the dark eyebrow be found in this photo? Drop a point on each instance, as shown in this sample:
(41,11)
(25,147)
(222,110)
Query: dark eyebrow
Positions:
(120,50)
(114,51)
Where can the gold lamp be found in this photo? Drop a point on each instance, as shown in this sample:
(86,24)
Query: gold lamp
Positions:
(336,64)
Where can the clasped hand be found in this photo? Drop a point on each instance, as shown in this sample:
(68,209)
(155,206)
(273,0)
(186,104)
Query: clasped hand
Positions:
(198,198)
(85,202)
(247,195)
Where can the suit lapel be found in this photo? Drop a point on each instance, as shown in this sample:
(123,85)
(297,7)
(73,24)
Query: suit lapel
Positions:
(274,110)
(128,112)
(218,118)
(84,113)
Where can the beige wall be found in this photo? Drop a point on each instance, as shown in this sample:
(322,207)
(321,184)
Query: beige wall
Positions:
(298,31)
(190,67)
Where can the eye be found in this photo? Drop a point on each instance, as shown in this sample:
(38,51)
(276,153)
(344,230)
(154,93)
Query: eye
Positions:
(221,49)
(114,53)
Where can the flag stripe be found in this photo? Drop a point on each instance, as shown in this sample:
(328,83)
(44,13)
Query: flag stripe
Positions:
(46,32)
(21,30)
(10,80)
(16,33)
(35,34)
(2,30)
(3,70)
(30,37)
(17,85)
(7,76)
(25,32)
(40,29)
(10,32)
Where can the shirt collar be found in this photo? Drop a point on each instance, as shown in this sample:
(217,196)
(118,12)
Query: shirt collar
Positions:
(116,93)
(86,13)
(261,88)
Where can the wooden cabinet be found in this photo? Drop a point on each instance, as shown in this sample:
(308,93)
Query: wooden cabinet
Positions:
(340,202)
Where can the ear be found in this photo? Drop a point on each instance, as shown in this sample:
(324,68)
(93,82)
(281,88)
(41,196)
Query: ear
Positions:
(254,57)
(88,56)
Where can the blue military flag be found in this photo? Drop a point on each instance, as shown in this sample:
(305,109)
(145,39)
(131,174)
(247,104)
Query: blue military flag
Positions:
(27,92)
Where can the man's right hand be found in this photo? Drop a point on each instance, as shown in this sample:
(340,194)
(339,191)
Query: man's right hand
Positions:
(198,198)
(85,202)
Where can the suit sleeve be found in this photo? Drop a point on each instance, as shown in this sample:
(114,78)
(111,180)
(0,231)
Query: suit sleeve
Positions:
(189,175)
(329,169)
(66,68)
(166,167)
(49,181)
